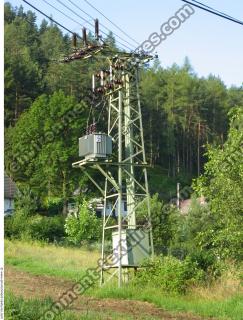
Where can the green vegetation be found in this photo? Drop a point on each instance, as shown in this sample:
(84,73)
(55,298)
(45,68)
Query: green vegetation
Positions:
(222,184)
(221,298)
(42,258)
(170,274)
(228,308)
(35,227)
(47,106)
(17,308)
(85,227)
(193,135)
(20,309)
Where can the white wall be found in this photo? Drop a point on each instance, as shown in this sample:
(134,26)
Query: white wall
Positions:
(8,204)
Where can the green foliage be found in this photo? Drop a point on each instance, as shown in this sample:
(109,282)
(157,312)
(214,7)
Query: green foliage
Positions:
(22,72)
(53,205)
(85,227)
(42,155)
(170,274)
(22,226)
(181,112)
(187,228)
(222,184)
(16,226)
(46,228)
(26,201)
(164,219)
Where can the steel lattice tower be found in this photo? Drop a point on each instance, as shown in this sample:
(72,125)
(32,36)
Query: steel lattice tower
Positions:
(125,172)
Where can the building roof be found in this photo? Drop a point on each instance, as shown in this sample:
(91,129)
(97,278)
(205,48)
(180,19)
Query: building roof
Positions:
(185,205)
(10,188)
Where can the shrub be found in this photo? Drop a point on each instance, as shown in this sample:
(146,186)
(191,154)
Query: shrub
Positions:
(164,219)
(170,274)
(46,228)
(208,262)
(16,225)
(85,227)
(53,205)
(22,226)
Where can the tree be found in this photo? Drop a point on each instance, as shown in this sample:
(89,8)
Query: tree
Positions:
(85,227)
(164,220)
(222,185)
(21,70)
(41,147)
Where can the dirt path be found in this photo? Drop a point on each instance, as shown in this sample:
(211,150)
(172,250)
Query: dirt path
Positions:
(31,286)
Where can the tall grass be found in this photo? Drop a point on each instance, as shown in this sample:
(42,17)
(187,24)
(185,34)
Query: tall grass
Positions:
(17,308)
(41,258)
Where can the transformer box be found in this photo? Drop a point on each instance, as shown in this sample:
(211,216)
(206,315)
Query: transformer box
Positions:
(95,145)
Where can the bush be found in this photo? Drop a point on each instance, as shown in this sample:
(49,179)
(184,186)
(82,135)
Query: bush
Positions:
(16,225)
(208,262)
(46,228)
(170,274)
(53,205)
(22,226)
(164,219)
(85,227)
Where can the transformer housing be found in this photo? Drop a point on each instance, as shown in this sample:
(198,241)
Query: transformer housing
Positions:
(95,145)
(135,247)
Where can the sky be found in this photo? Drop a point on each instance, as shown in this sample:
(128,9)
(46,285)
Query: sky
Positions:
(212,44)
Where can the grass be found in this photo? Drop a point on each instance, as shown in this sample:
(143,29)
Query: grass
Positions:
(17,308)
(223,300)
(229,308)
(48,259)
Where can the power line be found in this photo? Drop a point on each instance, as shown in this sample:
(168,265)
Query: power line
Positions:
(67,16)
(114,24)
(213,11)
(50,18)
(59,24)
(78,15)
(115,34)
(64,5)
(206,6)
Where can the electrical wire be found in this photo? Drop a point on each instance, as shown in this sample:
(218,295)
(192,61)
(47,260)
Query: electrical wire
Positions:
(78,15)
(115,34)
(64,5)
(50,18)
(206,6)
(67,16)
(213,11)
(59,24)
(114,24)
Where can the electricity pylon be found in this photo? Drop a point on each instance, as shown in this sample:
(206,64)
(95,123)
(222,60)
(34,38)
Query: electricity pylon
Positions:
(130,181)
(125,173)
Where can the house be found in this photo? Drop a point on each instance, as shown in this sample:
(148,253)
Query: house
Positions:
(10,190)
(185,205)
(98,206)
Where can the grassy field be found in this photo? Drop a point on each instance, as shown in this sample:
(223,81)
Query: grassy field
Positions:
(223,300)
(36,258)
